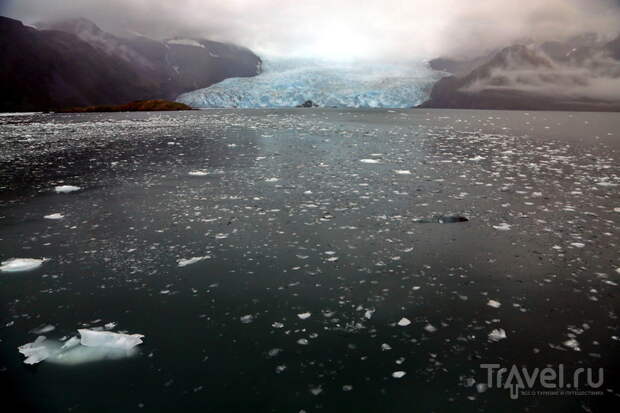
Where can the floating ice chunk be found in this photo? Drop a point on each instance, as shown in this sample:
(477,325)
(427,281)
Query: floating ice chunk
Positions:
(369,160)
(386,347)
(198,173)
(578,244)
(494,304)
(93,346)
(477,158)
(316,390)
(404,322)
(190,261)
(35,352)
(617,209)
(44,329)
(347,387)
(606,184)
(402,172)
(65,189)
(247,319)
(54,216)
(271,180)
(572,344)
(399,374)
(302,342)
(92,338)
(304,316)
(368,314)
(430,328)
(497,334)
(502,227)
(21,264)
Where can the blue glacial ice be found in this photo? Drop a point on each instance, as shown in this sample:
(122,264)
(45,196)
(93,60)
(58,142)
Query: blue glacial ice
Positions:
(291,82)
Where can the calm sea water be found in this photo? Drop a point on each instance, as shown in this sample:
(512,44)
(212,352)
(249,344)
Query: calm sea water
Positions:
(306,223)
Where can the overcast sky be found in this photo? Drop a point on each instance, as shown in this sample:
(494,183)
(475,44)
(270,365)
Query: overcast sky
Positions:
(386,29)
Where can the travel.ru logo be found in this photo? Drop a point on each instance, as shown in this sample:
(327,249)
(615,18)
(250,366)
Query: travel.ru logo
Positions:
(550,381)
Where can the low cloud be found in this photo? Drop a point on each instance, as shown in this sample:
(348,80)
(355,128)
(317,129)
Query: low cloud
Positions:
(375,29)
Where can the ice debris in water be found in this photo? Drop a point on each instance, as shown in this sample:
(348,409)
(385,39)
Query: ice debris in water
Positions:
(398,374)
(502,227)
(21,264)
(494,304)
(404,322)
(402,172)
(369,160)
(92,346)
(304,316)
(497,334)
(92,338)
(44,329)
(198,173)
(247,319)
(430,328)
(572,344)
(54,216)
(190,261)
(65,189)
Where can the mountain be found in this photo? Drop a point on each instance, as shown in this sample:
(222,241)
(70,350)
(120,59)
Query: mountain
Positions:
(75,63)
(581,74)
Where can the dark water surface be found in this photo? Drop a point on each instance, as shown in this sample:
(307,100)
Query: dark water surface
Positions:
(311,211)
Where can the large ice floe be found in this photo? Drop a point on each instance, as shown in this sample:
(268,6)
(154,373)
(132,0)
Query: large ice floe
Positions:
(93,345)
(21,264)
(289,82)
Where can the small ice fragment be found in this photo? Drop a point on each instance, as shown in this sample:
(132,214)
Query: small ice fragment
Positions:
(35,352)
(398,374)
(430,328)
(477,158)
(21,264)
(368,314)
(404,322)
(402,172)
(578,244)
(277,324)
(54,216)
(347,387)
(91,338)
(65,189)
(572,344)
(494,304)
(304,316)
(43,329)
(369,160)
(247,319)
(190,261)
(385,347)
(302,341)
(497,334)
(502,227)
(316,390)
(271,180)
(198,173)
(617,209)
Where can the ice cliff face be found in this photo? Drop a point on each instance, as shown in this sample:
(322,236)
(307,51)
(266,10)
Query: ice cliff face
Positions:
(291,82)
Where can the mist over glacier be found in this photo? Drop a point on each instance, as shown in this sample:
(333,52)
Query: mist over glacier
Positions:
(288,82)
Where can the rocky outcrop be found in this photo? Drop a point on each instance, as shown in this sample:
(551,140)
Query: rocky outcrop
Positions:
(582,75)
(75,63)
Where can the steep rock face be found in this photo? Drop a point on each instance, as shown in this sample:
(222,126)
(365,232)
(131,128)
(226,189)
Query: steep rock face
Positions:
(582,75)
(47,69)
(75,63)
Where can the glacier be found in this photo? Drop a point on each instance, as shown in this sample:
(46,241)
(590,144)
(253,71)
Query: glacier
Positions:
(288,82)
